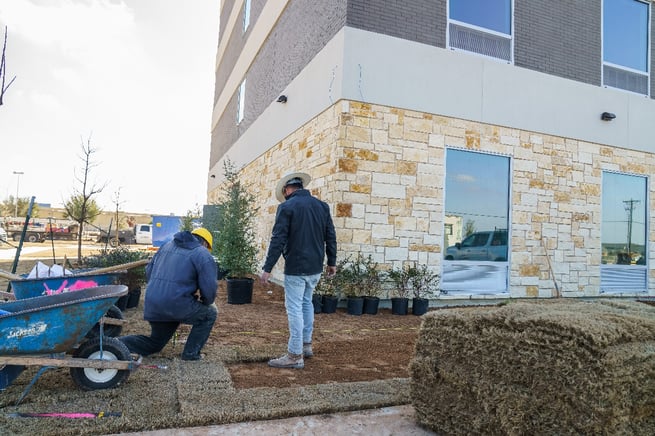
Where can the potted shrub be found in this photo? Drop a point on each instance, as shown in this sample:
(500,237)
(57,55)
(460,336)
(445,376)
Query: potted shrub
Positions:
(134,279)
(424,283)
(328,289)
(234,239)
(371,285)
(353,278)
(402,283)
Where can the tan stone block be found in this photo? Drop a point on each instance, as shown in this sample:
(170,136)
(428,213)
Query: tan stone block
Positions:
(362,189)
(344,210)
(361,237)
(589,189)
(395,131)
(406,168)
(532,291)
(367,155)
(529,270)
(405,223)
(472,139)
(606,151)
(355,133)
(348,165)
(561,197)
(425,248)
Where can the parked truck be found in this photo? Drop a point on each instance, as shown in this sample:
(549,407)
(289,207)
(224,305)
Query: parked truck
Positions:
(139,234)
(40,230)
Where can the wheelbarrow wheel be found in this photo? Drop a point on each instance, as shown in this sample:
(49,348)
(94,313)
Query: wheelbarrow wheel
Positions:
(97,378)
(108,329)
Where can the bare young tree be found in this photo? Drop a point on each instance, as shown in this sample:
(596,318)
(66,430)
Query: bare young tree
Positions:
(3,70)
(81,207)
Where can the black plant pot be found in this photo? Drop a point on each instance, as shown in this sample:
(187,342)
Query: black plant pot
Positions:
(420,306)
(133,298)
(330,303)
(122,302)
(371,305)
(355,305)
(399,305)
(239,291)
(317,301)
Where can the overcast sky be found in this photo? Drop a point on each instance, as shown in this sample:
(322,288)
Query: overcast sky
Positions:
(136,77)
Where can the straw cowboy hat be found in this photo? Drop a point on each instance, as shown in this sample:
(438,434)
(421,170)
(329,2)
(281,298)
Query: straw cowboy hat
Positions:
(291,179)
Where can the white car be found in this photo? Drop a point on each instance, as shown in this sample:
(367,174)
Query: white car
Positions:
(3,234)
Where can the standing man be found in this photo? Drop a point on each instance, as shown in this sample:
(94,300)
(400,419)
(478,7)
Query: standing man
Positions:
(181,288)
(303,233)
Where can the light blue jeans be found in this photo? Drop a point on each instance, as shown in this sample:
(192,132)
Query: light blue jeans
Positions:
(300,311)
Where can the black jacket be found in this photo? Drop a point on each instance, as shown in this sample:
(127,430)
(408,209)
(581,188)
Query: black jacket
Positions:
(303,233)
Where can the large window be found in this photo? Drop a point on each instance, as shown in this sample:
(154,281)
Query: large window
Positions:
(476,224)
(481,26)
(241,101)
(626,37)
(623,233)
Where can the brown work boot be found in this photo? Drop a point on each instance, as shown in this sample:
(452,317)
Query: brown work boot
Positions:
(288,361)
(307,350)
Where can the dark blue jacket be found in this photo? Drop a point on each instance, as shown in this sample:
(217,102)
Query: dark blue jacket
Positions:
(179,269)
(303,233)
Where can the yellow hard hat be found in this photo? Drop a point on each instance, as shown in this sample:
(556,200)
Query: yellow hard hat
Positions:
(204,234)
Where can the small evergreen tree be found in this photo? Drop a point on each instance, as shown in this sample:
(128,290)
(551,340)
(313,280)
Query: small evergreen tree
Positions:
(234,235)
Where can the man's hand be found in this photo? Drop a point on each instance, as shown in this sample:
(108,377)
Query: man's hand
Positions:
(331,271)
(264,277)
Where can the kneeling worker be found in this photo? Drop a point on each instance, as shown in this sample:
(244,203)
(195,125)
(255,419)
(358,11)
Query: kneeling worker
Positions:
(181,288)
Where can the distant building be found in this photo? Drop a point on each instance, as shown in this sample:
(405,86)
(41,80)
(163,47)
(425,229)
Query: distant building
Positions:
(526,115)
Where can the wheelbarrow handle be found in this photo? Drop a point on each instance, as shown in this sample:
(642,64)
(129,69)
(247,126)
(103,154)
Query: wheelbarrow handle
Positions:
(10,276)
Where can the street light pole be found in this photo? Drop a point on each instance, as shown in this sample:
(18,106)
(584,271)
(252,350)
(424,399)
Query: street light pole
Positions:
(18,174)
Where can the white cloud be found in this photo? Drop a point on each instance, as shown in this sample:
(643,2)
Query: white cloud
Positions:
(465,178)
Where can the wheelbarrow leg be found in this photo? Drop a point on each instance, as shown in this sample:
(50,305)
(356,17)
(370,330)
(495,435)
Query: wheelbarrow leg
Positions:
(29,386)
(9,373)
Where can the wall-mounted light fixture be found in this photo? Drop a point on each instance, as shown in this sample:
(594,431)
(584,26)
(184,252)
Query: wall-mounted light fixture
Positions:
(607,116)
(282,99)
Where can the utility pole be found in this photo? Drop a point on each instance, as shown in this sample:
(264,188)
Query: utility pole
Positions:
(629,206)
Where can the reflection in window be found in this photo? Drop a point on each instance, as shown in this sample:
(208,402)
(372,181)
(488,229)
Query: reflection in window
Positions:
(477,201)
(476,223)
(481,26)
(493,15)
(625,44)
(623,234)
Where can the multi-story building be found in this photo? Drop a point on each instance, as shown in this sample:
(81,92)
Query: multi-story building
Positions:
(529,118)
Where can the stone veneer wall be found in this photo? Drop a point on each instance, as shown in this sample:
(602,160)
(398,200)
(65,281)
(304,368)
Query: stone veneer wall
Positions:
(381,169)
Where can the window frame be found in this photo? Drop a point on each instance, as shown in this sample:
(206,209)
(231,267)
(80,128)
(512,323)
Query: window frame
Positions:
(624,68)
(617,278)
(497,271)
(484,30)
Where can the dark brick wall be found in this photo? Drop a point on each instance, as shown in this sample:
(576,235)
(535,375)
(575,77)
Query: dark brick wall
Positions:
(304,28)
(237,39)
(422,21)
(561,38)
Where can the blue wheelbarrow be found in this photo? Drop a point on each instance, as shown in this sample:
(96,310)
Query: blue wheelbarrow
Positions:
(35,287)
(41,331)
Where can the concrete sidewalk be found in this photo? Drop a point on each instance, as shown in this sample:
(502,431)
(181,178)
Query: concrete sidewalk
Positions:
(398,420)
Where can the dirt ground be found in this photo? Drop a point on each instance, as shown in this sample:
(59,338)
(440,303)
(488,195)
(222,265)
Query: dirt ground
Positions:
(347,348)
